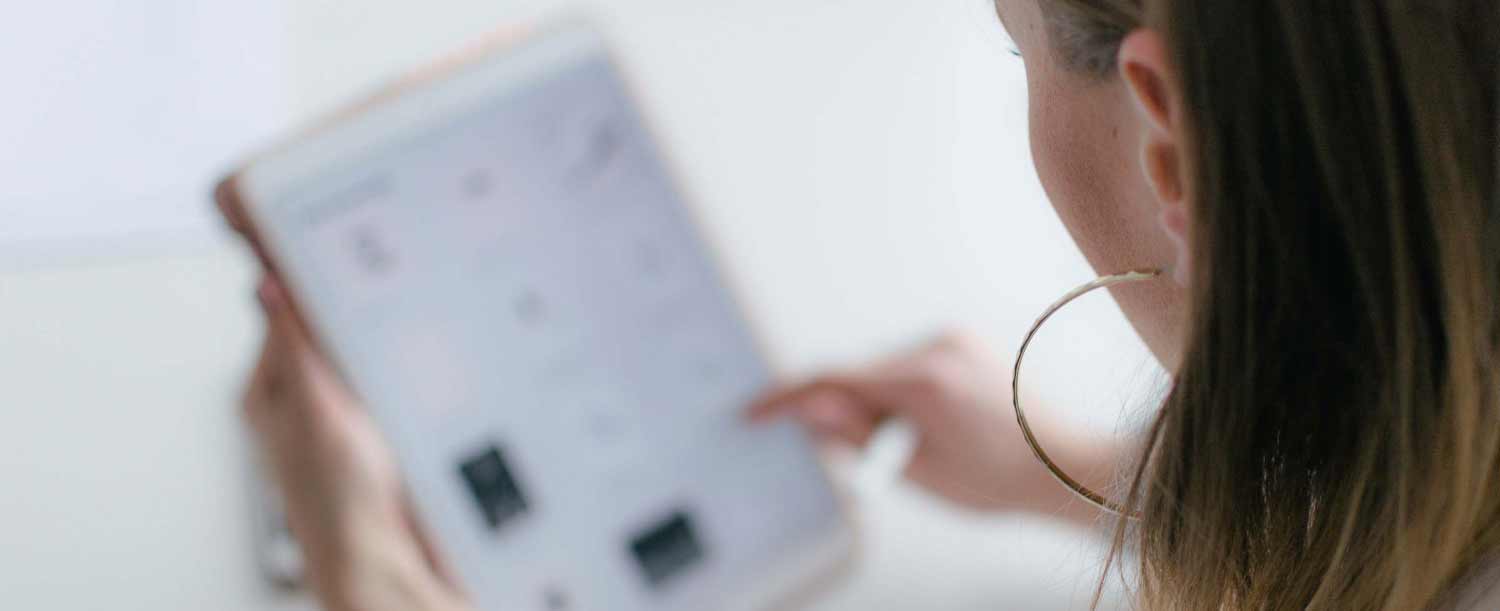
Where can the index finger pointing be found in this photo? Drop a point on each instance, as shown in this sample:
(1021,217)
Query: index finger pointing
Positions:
(778,401)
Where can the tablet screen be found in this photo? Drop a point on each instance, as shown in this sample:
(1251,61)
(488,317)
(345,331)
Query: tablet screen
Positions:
(521,297)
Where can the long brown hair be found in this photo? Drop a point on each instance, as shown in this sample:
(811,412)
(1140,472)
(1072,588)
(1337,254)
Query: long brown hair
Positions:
(1332,438)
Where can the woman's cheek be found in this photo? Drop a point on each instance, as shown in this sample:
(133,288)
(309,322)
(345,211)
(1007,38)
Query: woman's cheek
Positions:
(1089,173)
(1072,181)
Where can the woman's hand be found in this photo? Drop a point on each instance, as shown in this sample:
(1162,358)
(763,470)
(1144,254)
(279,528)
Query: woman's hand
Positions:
(344,499)
(957,397)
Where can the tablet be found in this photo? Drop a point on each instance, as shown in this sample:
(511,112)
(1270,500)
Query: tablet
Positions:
(498,261)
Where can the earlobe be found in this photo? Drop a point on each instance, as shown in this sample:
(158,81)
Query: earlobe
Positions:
(1164,172)
(1174,221)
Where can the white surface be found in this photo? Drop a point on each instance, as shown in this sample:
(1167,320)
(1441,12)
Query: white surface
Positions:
(863,163)
(119,114)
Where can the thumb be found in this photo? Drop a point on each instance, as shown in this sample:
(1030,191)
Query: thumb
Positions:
(291,379)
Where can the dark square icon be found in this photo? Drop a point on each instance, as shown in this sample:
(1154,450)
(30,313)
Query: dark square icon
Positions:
(494,488)
(667,549)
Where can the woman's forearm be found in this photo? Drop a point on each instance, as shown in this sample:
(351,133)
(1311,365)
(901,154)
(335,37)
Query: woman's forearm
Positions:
(1096,463)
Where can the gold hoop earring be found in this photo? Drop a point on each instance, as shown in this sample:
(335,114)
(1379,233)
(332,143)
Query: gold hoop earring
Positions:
(1082,491)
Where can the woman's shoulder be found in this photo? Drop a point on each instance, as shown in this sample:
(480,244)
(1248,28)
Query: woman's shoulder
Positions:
(1480,590)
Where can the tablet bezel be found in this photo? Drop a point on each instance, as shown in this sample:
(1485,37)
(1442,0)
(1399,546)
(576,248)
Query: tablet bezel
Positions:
(507,60)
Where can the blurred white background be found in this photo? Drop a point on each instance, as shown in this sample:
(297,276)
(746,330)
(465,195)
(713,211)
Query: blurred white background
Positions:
(862,165)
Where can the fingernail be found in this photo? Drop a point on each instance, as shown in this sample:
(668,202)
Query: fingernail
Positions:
(267,295)
(824,415)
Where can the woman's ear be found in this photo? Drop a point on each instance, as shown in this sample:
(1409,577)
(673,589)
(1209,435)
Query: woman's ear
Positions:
(1153,89)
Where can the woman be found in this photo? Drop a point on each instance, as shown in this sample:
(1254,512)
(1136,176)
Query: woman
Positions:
(1319,180)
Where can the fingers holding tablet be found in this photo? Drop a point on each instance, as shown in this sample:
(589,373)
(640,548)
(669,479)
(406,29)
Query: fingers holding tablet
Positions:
(342,494)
